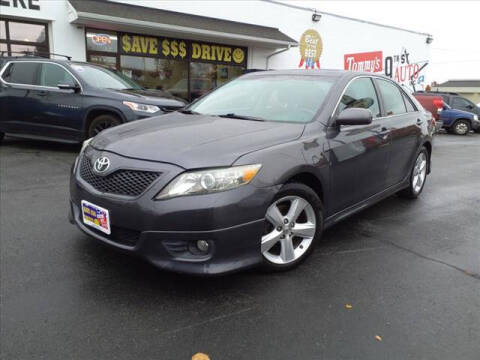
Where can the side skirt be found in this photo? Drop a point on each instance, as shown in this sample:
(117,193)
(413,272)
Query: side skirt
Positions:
(335,218)
(45,138)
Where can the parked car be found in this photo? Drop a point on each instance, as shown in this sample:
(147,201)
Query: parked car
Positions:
(70,101)
(253,172)
(455,101)
(433,104)
(457,121)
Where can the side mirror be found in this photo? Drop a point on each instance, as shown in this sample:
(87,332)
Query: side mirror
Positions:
(75,87)
(470,106)
(354,116)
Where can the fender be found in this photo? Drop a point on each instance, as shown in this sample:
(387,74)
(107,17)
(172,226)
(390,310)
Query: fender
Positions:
(105,108)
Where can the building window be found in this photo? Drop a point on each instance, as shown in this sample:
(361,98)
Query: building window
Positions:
(102,41)
(108,61)
(22,38)
(205,77)
(183,68)
(159,74)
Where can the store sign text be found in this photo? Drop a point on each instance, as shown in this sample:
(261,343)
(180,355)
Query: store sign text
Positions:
(397,67)
(139,45)
(182,49)
(102,39)
(22,4)
(367,61)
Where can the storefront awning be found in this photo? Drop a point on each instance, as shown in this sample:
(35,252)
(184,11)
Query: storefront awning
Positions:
(125,17)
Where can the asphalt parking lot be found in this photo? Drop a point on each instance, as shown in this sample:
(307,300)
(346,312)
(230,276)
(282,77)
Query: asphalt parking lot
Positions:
(409,269)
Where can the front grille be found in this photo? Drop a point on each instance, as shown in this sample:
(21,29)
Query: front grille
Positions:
(120,235)
(120,182)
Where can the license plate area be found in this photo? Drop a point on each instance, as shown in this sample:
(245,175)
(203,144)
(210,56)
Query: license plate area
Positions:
(96,217)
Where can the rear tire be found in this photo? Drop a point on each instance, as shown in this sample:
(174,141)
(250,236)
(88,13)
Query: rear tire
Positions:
(101,123)
(418,176)
(2,135)
(461,127)
(293,224)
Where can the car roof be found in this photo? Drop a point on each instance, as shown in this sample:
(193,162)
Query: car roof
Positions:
(334,73)
(32,58)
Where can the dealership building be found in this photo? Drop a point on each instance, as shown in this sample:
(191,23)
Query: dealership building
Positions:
(190,47)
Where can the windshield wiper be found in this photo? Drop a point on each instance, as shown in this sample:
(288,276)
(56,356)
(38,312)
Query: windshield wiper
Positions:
(189,112)
(242,117)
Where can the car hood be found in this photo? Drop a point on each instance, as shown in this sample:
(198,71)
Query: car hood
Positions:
(194,141)
(151,97)
(456,112)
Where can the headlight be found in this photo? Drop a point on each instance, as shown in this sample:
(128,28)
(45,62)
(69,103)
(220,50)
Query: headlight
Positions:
(142,107)
(208,181)
(85,144)
(475,117)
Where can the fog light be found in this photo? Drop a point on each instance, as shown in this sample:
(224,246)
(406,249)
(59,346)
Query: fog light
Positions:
(202,245)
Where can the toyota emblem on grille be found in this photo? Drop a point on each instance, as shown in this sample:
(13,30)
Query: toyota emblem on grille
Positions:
(101,164)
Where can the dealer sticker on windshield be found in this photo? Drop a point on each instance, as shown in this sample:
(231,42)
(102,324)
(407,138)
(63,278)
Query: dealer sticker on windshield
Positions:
(96,217)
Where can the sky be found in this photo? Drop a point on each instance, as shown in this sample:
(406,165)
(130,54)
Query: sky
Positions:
(455,26)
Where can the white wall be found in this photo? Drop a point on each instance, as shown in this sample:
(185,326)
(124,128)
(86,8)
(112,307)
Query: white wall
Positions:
(340,36)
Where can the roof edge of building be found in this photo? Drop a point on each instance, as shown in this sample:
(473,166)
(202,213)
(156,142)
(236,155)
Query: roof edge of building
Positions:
(278,2)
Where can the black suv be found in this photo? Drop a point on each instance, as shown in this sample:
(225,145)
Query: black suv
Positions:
(70,101)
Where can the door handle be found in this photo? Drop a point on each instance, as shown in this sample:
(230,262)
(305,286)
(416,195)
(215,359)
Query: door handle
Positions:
(42,93)
(384,129)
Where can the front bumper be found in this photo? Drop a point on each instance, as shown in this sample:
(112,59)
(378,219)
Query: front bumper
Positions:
(475,124)
(438,125)
(165,232)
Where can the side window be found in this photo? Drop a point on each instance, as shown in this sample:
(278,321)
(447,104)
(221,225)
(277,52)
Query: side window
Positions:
(458,102)
(392,98)
(25,73)
(408,102)
(52,75)
(361,94)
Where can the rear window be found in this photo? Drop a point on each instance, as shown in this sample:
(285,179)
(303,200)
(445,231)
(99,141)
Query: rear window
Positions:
(25,73)
(408,103)
(392,98)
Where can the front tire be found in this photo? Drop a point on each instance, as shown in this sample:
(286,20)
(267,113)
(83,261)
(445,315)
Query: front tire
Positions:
(461,127)
(101,123)
(418,176)
(293,224)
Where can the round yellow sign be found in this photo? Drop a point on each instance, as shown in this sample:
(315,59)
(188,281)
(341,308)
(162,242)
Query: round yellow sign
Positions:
(238,55)
(200,356)
(311,47)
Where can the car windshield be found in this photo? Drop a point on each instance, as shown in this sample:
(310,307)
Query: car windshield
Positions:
(104,78)
(282,98)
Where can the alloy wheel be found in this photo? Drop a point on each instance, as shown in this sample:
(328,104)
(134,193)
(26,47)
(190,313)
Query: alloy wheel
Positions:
(290,227)
(461,128)
(419,173)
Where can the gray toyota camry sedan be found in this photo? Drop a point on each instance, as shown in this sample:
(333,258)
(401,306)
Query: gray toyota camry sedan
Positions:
(252,173)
